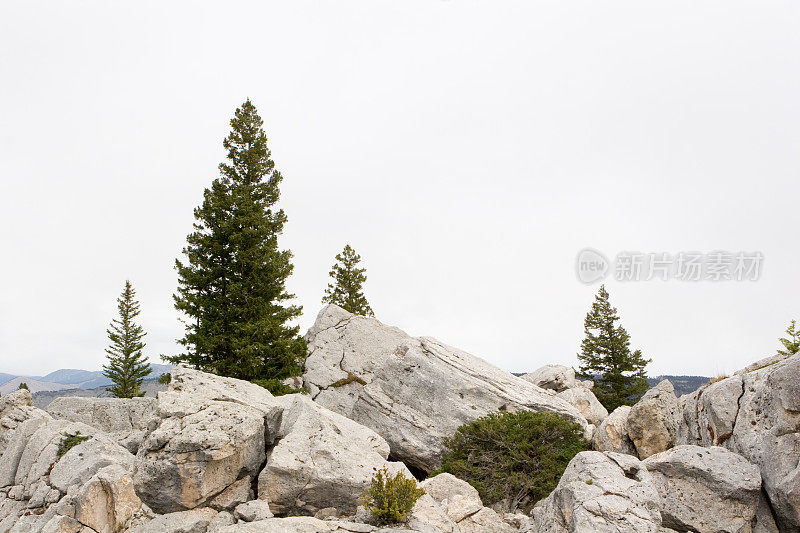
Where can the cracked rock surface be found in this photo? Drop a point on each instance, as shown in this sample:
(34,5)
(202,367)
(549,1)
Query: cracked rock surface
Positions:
(755,413)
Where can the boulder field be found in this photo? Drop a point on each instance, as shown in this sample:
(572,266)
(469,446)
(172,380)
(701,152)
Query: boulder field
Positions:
(214,454)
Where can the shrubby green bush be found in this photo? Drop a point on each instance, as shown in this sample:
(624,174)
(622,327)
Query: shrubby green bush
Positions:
(390,498)
(69,442)
(515,459)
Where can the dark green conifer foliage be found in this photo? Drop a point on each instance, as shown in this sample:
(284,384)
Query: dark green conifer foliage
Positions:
(348,290)
(791,344)
(127,366)
(606,357)
(23,385)
(232,286)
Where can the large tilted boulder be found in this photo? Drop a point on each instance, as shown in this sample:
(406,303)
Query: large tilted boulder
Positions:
(553,377)
(611,434)
(321,459)
(705,489)
(603,492)
(653,421)
(413,392)
(755,413)
(128,420)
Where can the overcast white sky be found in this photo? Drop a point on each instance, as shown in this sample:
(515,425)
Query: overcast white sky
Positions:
(468,150)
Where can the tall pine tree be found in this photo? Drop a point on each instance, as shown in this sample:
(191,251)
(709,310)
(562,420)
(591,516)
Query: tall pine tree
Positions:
(347,291)
(127,366)
(791,344)
(232,287)
(606,357)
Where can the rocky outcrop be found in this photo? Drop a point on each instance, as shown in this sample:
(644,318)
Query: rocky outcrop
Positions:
(586,403)
(653,421)
(755,413)
(600,491)
(128,420)
(611,434)
(463,506)
(553,377)
(413,392)
(16,408)
(219,438)
(321,459)
(705,489)
(201,448)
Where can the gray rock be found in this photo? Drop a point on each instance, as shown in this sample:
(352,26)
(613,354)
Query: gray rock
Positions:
(756,414)
(412,392)
(705,489)
(16,408)
(612,433)
(107,502)
(602,492)
(553,377)
(83,461)
(653,422)
(253,510)
(126,419)
(321,459)
(586,403)
(193,521)
(201,447)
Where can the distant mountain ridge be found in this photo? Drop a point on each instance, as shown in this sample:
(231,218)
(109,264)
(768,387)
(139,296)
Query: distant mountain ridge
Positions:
(682,384)
(66,378)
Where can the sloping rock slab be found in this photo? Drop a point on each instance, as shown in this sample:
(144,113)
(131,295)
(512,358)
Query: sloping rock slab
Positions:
(412,392)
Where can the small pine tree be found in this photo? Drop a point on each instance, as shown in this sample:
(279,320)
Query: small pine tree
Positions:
(606,357)
(792,343)
(232,287)
(348,290)
(23,385)
(127,366)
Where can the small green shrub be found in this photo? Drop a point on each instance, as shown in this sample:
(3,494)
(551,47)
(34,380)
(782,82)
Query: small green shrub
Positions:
(165,378)
(23,385)
(390,498)
(70,441)
(513,458)
(277,387)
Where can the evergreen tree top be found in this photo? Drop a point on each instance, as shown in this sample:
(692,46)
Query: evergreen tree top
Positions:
(347,289)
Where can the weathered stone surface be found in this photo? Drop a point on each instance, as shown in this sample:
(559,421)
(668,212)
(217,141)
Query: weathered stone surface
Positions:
(486,520)
(603,492)
(412,392)
(321,459)
(126,419)
(40,451)
(201,447)
(427,515)
(553,377)
(83,461)
(612,433)
(757,415)
(585,402)
(653,422)
(106,503)
(705,489)
(445,486)
(253,510)
(194,521)
(16,408)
